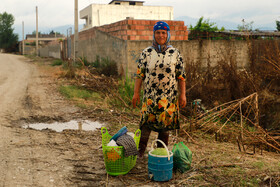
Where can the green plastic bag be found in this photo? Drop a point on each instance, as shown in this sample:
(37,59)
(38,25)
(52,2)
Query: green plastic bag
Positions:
(182,157)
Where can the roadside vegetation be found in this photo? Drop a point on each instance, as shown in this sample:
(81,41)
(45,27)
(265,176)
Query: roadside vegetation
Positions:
(8,39)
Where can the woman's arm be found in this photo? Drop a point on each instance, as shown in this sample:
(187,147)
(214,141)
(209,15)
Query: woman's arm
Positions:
(182,93)
(136,96)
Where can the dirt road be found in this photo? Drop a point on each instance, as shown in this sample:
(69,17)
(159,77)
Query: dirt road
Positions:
(41,158)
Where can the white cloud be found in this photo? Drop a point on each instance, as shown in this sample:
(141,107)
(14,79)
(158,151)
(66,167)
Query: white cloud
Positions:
(53,13)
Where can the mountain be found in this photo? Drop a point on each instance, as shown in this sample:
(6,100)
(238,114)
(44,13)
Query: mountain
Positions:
(45,30)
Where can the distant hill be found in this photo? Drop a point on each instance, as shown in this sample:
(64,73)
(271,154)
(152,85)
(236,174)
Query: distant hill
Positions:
(63,29)
(44,30)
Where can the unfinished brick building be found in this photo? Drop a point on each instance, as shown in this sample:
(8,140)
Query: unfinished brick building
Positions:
(131,29)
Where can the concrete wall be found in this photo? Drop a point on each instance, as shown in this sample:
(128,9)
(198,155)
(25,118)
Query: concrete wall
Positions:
(105,46)
(28,49)
(125,53)
(213,51)
(50,51)
(197,52)
(98,14)
(94,42)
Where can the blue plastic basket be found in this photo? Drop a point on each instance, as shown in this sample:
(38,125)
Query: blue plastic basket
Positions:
(160,167)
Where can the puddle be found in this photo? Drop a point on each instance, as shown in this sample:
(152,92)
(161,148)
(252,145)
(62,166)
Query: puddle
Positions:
(59,127)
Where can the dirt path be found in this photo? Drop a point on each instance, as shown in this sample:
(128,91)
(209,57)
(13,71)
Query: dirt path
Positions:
(41,158)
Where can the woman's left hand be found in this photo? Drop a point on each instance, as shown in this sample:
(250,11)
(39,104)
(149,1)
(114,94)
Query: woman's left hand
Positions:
(182,100)
(182,94)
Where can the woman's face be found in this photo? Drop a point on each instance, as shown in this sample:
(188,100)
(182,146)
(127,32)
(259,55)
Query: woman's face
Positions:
(161,36)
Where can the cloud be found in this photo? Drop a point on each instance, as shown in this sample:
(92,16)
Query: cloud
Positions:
(53,13)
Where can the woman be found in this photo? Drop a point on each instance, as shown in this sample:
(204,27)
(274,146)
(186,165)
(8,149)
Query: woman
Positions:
(161,69)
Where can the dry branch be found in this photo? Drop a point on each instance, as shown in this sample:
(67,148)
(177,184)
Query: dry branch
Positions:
(210,120)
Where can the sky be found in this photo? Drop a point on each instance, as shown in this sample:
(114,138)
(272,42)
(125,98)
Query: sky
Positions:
(55,13)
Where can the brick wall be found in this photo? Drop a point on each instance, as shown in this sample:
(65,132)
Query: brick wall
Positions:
(131,29)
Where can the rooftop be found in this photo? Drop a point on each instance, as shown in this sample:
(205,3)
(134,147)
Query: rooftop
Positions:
(126,1)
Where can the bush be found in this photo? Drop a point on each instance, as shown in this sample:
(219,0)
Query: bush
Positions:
(105,66)
(57,62)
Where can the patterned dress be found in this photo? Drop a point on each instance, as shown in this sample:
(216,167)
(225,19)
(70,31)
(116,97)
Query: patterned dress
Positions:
(160,73)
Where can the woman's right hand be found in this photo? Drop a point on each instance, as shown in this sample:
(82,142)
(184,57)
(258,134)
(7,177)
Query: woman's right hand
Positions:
(135,100)
(136,96)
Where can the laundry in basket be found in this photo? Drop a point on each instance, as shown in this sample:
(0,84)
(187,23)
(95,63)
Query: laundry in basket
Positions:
(115,161)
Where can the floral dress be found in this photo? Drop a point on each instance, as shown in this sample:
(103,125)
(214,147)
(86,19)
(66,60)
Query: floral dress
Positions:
(160,73)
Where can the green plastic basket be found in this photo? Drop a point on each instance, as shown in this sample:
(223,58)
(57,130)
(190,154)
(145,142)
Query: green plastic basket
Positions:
(115,161)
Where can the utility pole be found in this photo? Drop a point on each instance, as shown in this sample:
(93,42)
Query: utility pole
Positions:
(37,31)
(22,38)
(76,35)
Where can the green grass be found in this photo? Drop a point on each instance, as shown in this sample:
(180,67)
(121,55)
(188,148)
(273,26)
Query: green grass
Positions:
(126,89)
(250,182)
(57,62)
(259,165)
(81,105)
(72,92)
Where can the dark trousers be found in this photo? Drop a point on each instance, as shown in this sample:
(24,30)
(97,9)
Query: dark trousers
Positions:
(145,134)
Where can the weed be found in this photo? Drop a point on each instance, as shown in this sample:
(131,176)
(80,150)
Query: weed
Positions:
(57,62)
(97,62)
(251,128)
(259,165)
(126,91)
(250,182)
(83,98)
(105,66)
(74,92)
(85,61)
(126,88)
(82,105)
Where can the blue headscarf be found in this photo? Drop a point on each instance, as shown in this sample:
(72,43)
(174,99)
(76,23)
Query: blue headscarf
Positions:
(161,25)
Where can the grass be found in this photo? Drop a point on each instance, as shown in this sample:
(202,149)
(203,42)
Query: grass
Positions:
(250,182)
(82,105)
(102,65)
(57,62)
(82,97)
(126,89)
(71,91)
(259,165)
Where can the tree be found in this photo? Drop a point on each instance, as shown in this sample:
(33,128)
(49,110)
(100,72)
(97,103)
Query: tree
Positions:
(204,29)
(204,26)
(278,25)
(245,26)
(34,33)
(54,33)
(7,38)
